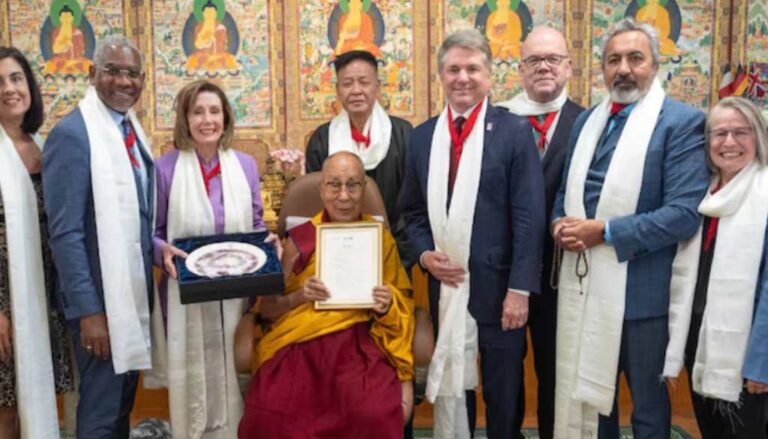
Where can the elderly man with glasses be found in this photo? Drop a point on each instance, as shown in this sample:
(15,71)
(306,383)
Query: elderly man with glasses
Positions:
(341,372)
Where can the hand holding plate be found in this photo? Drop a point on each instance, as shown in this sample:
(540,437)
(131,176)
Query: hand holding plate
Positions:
(169,252)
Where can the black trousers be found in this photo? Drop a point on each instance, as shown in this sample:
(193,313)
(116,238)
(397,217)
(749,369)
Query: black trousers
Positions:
(718,419)
(542,324)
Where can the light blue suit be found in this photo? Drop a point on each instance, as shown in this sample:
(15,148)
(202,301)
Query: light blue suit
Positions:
(106,399)
(675,179)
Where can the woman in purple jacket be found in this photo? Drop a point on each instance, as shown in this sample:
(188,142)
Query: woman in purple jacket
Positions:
(204,187)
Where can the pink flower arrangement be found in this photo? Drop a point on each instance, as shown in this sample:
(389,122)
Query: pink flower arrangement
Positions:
(291,162)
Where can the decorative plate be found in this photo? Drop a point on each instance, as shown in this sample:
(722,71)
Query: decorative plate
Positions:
(226,259)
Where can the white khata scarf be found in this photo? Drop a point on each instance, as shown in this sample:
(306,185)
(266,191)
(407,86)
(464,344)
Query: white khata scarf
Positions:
(116,204)
(523,105)
(742,209)
(590,323)
(29,312)
(454,363)
(204,394)
(378,128)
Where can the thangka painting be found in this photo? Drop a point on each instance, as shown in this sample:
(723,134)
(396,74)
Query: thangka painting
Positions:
(686,29)
(505,23)
(757,49)
(59,38)
(227,42)
(330,28)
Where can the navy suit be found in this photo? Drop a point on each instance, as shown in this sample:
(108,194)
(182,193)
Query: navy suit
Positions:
(106,399)
(505,249)
(675,179)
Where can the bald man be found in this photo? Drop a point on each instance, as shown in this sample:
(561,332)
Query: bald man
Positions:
(545,68)
(333,373)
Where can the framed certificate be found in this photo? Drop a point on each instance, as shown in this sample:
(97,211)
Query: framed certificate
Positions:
(349,263)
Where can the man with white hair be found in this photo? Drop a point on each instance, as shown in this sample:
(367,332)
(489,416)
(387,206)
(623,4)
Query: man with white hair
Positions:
(545,68)
(635,174)
(473,203)
(98,185)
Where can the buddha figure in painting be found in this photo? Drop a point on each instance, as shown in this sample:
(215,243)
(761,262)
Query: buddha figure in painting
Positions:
(655,13)
(356,28)
(504,29)
(68,42)
(210,41)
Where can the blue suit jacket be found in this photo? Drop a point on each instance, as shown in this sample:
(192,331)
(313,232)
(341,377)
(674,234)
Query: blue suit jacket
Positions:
(506,246)
(756,362)
(675,179)
(71,220)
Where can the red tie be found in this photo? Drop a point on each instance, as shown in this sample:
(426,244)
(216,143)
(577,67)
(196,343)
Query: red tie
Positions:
(616,107)
(208,176)
(542,128)
(359,137)
(459,129)
(129,138)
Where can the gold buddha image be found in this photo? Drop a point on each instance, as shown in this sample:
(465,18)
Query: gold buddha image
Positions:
(68,54)
(356,28)
(504,29)
(655,13)
(210,40)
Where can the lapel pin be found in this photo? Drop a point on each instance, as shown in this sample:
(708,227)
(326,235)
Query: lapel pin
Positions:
(489,127)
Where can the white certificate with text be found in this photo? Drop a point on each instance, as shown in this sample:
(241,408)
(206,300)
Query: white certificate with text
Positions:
(349,263)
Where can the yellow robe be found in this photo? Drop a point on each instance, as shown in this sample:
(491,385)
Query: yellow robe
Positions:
(392,332)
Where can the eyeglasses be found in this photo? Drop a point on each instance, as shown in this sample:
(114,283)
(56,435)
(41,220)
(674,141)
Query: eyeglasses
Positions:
(534,61)
(353,187)
(115,72)
(740,134)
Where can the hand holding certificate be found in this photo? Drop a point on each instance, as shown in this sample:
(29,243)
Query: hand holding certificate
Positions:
(349,265)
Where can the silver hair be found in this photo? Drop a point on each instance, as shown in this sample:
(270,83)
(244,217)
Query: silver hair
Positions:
(470,39)
(114,40)
(756,122)
(629,25)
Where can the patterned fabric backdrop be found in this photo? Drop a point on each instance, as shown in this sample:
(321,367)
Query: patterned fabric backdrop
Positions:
(273,56)
(58,37)
(228,43)
(686,29)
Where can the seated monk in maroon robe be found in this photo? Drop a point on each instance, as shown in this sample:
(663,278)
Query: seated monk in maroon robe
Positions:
(333,373)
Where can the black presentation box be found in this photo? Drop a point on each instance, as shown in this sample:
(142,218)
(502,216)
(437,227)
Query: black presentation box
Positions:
(267,280)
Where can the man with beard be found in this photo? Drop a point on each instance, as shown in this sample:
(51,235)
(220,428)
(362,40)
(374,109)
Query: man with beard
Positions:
(545,67)
(635,174)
